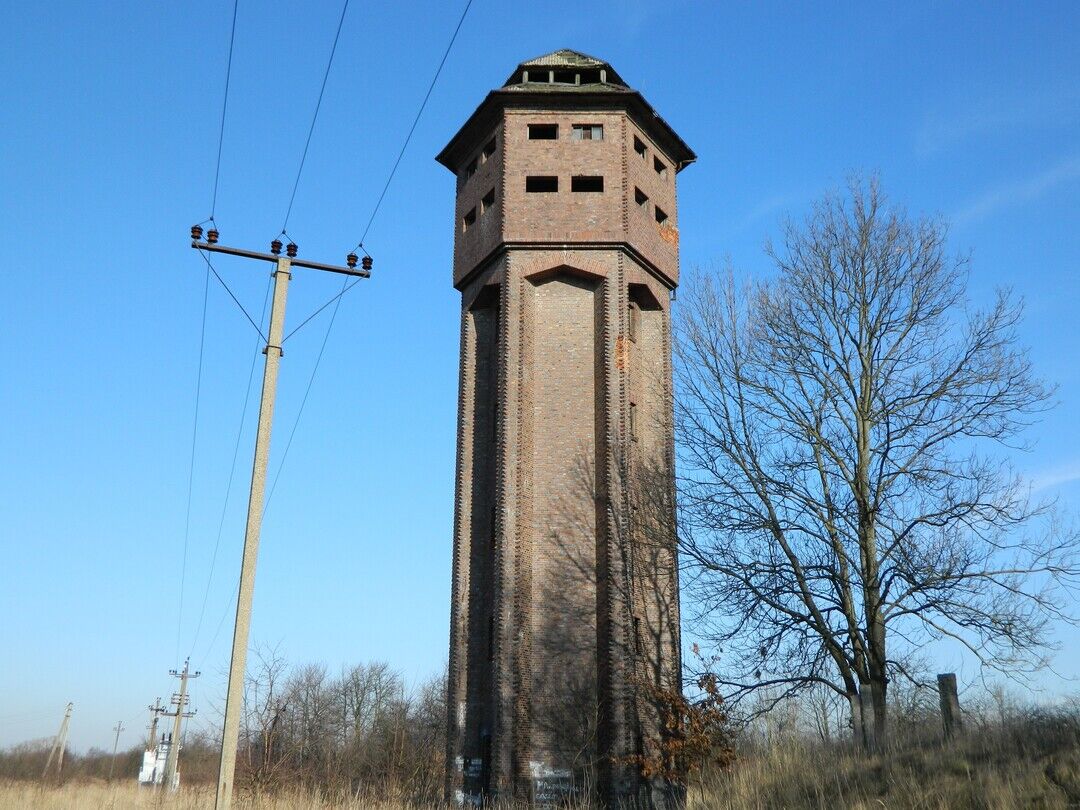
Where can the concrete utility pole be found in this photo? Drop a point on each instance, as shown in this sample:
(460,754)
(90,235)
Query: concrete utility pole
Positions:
(155,710)
(180,700)
(282,274)
(59,743)
(116,742)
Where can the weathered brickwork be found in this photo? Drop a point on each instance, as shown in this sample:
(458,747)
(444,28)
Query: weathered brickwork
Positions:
(565,585)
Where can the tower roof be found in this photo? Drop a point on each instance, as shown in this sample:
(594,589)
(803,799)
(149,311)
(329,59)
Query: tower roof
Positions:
(563,79)
(565,56)
(580,69)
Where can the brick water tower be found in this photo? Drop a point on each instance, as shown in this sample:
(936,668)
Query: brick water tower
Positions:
(565,609)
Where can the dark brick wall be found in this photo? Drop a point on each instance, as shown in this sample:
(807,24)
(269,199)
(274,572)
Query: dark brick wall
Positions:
(578,594)
(566,216)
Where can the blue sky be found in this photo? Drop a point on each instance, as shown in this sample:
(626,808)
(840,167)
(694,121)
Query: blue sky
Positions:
(110,117)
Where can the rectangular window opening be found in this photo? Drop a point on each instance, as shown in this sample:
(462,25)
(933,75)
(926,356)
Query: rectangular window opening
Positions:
(641,199)
(587,132)
(487,202)
(489,150)
(470,170)
(661,217)
(582,182)
(633,421)
(565,77)
(634,319)
(468,220)
(543,132)
(639,147)
(661,169)
(541,184)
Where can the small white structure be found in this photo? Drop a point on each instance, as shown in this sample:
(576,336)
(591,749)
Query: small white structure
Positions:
(152,772)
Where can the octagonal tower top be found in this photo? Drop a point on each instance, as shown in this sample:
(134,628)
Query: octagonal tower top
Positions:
(566,155)
(561,76)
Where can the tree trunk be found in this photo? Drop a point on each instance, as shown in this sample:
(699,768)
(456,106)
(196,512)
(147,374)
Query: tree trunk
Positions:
(858,725)
(872,700)
(881,715)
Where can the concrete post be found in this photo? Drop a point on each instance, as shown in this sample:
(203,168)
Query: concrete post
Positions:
(116,743)
(950,704)
(235,696)
(172,761)
(155,711)
(59,743)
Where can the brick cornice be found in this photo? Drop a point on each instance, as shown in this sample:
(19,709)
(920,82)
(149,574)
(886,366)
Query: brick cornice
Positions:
(507,247)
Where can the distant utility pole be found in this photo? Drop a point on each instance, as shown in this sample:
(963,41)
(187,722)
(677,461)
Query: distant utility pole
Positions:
(59,743)
(155,710)
(282,275)
(116,742)
(180,700)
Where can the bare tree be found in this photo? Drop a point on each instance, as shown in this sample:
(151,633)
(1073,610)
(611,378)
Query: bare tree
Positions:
(265,706)
(840,503)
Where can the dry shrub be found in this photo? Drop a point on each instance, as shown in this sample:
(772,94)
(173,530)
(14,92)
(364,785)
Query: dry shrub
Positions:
(694,734)
(1033,760)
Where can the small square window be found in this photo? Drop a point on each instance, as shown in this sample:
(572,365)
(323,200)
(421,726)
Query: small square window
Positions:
(586,183)
(661,217)
(543,132)
(587,132)
(487,202)
(641,199)
(468,220)
(660,168)
(639,147)
(541,184)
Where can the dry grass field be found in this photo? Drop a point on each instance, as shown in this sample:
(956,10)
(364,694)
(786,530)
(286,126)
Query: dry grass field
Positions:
(1030,761)
(98,796)
(792,777)
(935,779)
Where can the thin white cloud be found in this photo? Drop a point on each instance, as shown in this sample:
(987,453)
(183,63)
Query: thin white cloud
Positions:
(994,116)
(1019,191)
(1055,477)
(770,206)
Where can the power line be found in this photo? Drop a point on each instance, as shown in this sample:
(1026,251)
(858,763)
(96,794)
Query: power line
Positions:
(230,607)
(232,295)
(191,467)
(346,285)
(232,473)
(288,213)
(224,108)
(202,337)
(416,120)
(315,116)
(303,402)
